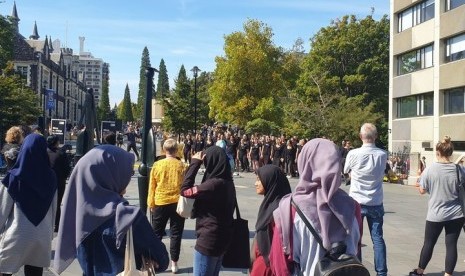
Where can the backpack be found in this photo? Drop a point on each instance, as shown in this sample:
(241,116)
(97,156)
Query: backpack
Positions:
(335,261)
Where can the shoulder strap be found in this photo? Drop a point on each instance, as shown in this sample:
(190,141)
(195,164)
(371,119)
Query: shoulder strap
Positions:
(307,223)
(238,214)
(457,168)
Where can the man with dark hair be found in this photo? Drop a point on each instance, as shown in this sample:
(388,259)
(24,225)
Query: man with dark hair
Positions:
(110,139)
(60,165)
(132,135)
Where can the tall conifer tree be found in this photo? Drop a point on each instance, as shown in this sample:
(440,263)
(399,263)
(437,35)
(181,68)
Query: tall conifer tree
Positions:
(163,85)
(126,109)
(145,62)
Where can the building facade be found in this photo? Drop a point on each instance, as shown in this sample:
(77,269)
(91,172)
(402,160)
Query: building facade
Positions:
(427,77)
(57,74)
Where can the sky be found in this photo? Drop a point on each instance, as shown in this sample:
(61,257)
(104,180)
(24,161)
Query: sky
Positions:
(181,32)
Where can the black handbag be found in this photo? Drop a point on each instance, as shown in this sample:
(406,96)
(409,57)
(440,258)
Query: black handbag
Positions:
(238,253)
(335,262)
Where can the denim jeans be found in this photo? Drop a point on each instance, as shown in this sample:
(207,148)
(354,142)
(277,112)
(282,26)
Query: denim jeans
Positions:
(374,216)
(206,265)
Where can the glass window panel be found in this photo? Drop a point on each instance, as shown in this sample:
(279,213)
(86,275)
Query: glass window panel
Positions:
(407,107)
(455,3)
(455,48)
(428,57)
(428,104)
(406,20)
(454,101)
(408,63)
(428,10)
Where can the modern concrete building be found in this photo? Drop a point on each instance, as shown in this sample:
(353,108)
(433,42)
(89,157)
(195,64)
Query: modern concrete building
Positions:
(427,77)
(91,70)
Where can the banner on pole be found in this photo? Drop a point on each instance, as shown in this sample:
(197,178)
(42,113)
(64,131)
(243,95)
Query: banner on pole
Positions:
(50,99)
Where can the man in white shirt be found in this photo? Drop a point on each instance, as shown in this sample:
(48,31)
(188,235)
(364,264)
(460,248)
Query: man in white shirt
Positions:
(366,166)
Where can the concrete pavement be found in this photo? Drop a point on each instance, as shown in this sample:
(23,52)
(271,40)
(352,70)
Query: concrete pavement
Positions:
(403,230)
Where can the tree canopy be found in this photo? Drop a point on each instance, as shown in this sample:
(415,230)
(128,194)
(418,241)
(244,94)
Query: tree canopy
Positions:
(145,62)
(18,103)
(179,116)
(125,112)
(104,111)
(163,85)
(6,41)
(247,81)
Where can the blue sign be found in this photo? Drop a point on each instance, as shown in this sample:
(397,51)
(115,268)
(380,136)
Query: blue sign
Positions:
(50,99)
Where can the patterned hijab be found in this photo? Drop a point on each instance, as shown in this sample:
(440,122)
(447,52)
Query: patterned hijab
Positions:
(276,185)
(93,196)
(317,194)
(31,182)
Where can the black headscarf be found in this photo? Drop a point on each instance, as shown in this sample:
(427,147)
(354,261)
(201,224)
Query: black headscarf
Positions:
(216,164)
(31,182)
(276,186)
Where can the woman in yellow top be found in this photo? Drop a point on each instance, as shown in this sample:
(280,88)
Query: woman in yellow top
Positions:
(165,184)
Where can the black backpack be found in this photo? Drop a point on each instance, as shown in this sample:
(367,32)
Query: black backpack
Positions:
(335,262)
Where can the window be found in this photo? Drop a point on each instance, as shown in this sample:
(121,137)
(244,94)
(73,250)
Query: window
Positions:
(414,106)
(455,48)
(415,60)
(416,15)
(452,4)
(454,100)
(22,70)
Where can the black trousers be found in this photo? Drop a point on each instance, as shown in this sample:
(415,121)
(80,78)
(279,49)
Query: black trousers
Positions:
(30,270)
(134,148)
(432,232)
(160,218)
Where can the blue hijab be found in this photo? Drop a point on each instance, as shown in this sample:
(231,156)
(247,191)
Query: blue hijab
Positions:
(31,182)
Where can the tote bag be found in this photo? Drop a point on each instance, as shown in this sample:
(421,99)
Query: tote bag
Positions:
(238,253)
(130,260)
(185,207)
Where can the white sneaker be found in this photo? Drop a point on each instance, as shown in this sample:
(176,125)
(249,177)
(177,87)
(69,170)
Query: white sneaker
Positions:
(288,176)
(174,268)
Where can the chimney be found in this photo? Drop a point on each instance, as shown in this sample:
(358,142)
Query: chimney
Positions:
(81,44)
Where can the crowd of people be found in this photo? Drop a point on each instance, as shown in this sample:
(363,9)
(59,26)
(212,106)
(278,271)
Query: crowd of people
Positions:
(92,218)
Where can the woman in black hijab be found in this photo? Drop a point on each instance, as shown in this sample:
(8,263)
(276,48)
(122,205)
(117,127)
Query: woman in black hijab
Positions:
(273,184)
(215,199)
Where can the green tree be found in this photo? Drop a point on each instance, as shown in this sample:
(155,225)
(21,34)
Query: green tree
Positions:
(204,81)
(145,62)
(104,111)
(126,107)
(247,81)
(18,103)
(6,41)
(179,116)
(163,85)
(344,80)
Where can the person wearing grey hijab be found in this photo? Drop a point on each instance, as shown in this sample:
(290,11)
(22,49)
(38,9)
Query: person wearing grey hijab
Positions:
(95,217)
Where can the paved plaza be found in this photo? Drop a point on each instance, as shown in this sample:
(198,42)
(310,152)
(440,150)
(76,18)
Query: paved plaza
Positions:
(403,230)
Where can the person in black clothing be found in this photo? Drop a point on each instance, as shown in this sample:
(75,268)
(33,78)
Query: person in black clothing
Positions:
(60,165)
(215,200)
(278,153)
(187,151)
(209,142)
(199,143)
(119,139)
(289,154)
(132,135)
(231,149)
(110,139)
(243,154)
(266,151)
(254,154)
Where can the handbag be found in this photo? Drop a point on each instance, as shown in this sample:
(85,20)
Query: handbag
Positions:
(185,206)
(461,189)
(130,260)
(335,262)
(238,253)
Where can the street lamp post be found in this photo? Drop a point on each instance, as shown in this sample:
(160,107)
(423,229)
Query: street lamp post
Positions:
(148,146)
(44,105)
(195,70)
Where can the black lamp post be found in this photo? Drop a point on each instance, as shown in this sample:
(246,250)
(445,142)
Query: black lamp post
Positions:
(195,70)
(148,146)
(44,105)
